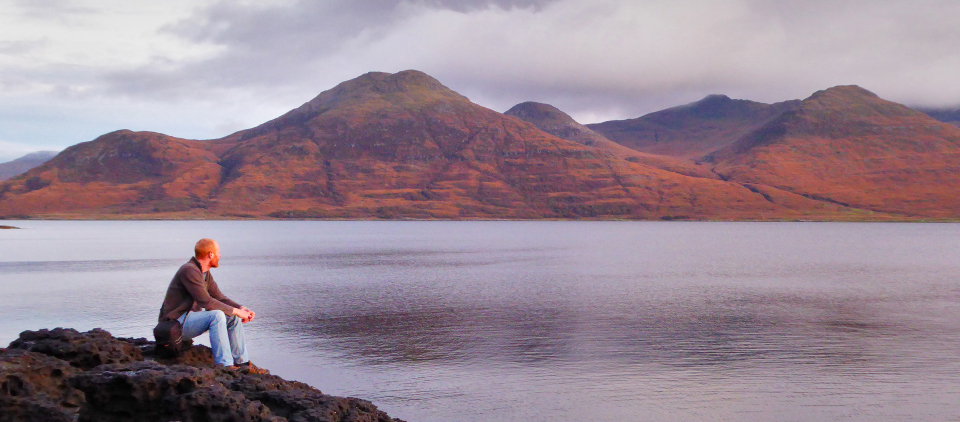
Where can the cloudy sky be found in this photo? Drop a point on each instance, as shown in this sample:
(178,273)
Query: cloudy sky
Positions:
(71,70)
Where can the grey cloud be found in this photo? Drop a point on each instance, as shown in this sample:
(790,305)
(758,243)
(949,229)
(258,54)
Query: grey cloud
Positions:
(315,27)
(61,10)
(20,48)
(471,5)
(605,58)
(768,51)
(265,48)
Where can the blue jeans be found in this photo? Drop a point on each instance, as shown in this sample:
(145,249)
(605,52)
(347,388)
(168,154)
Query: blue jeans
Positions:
(224,330)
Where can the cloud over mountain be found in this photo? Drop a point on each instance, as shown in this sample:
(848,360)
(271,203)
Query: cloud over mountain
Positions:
(598,60)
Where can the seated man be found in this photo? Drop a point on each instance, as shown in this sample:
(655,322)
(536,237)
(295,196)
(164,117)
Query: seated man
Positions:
(193,288)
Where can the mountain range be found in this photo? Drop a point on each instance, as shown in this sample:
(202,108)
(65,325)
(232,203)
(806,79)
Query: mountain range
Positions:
(405,146)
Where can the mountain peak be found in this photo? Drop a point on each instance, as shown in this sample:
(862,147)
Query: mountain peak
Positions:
(844,90)
(849,146)
(855,103)
(409,89)
(531,110)
(380,84)
(557,123)
(718,106)
(840,112)
(714,98)
(40,155)
(395,82)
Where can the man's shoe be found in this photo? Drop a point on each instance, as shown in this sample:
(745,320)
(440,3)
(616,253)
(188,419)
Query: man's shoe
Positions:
(249,368)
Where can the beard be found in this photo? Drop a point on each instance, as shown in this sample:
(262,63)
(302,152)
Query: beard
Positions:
(215,263)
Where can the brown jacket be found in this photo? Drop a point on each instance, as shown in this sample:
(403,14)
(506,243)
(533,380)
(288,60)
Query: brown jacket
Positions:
(190,290)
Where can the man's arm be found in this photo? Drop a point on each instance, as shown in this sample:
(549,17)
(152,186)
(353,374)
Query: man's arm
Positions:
(197,287)
(241,311)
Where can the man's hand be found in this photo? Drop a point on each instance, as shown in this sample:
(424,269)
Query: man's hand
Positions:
(246,315)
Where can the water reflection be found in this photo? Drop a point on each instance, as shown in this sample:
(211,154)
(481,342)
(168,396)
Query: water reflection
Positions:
(387,258)
(724,333)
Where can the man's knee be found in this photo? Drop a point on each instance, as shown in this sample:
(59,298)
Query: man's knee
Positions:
(219,317)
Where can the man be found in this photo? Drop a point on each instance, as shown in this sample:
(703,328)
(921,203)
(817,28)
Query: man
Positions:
(193,288)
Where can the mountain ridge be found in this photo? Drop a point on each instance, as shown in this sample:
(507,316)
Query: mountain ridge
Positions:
(379,146)
(555,122)
(847,146)
(403,145)
(692,130)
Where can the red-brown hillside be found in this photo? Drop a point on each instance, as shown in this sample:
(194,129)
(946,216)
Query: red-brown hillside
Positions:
(403,145)
(693,130)
(120,171)
(381,145)
(846,145)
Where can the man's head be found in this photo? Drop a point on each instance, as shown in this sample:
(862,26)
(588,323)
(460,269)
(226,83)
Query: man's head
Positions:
(208,249)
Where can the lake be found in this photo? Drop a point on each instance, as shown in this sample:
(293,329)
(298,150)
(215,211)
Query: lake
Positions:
(543,320)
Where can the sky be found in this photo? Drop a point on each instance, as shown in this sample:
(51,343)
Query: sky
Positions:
(72,70)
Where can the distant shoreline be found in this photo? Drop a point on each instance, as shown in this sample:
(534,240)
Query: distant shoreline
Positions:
(661,220)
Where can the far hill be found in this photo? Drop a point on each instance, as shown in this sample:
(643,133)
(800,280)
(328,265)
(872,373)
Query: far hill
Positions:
(847,146)
(120,172)
(946,115)
(555,122)
(693,130)
(22,164)
(379,146)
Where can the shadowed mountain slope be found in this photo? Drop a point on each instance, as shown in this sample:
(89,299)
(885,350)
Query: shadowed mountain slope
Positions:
(946,115)
(693,130)
(555,122)
(379,146)
(22,164)
(846,145)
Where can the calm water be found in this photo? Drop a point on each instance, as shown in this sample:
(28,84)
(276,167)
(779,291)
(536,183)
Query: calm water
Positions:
(544,321)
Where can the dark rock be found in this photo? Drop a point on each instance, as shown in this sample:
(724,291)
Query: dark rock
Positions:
(82,350)
(150,391)
(34,387)
(297,401)
(64,375)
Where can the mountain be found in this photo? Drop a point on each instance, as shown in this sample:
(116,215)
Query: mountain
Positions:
(122,171)
(22,164)
(847,146)
(946,115)
(379,146)
(555,122)
(693,130)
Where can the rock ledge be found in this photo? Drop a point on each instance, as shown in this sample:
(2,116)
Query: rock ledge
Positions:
(65,375)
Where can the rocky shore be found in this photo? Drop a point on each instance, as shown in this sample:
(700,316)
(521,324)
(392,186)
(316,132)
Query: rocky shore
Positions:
(64,375)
